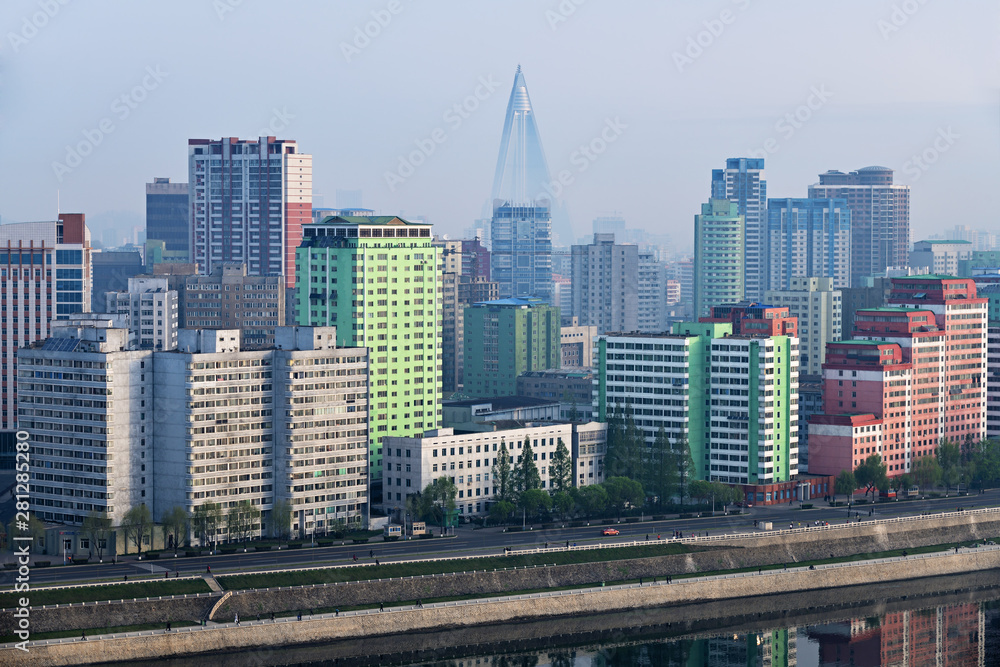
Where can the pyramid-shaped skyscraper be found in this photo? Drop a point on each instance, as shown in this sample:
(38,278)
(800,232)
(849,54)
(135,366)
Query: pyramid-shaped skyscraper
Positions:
(521,226)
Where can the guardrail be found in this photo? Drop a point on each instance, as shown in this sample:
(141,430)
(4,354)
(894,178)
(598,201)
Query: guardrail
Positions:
(509,598)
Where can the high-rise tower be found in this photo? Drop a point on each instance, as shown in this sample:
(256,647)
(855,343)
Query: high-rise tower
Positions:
(742,182)
(521,228)
(249,200)
(880,217)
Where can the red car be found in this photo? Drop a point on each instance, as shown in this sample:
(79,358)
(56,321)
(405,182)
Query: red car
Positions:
(610,531)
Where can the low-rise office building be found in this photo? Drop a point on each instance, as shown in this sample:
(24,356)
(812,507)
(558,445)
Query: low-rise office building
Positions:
(468,459)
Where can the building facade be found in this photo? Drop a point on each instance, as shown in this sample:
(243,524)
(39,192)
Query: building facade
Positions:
(111,272)
(807,237)
(228,298)
(605,284)
(168,218)
(718,260)
(818,308)
(573,390)
(248,202)
(468,460)
(375,279)
(521,226)
(732,396)
(914,375)
(207,422)
(742,182)
(45,275)
(880,217)
(653,297)
(505,338)
(151,312)
(940,257)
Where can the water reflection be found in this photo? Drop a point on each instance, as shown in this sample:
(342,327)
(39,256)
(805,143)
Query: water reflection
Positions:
(956,635)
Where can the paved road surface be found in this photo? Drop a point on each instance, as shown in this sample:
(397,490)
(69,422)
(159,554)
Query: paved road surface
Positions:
(491,541)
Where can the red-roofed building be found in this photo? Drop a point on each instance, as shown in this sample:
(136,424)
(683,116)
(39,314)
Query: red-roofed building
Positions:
(913,376)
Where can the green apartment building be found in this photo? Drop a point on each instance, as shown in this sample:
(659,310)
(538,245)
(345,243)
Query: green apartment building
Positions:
(376,280)
(507,337)
(718,255)
(734,397)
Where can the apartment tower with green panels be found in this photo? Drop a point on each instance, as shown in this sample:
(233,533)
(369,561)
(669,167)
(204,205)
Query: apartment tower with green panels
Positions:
(507,337)
(375,279)
(734,397)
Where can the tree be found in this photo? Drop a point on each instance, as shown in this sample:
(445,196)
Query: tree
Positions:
(845,484)
(439,497)
(206,522)
(526,475)
(623,492)
(533,501)
(660,472)
(241,521)
(872,474)
(685,464)
(949,456)
(700,490)
(500,511)
(927,472)
(281,519)
(97,527)
(176,521)
(563,502)
(503,476)
(561,469)
(136,524)
(593,499)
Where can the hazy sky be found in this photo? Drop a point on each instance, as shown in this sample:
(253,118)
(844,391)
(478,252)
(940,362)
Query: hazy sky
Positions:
(685,84)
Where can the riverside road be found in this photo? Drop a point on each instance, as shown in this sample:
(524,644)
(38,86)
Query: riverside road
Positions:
(488,542)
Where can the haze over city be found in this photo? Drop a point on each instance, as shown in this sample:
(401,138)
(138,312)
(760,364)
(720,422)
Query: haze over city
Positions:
(808,86)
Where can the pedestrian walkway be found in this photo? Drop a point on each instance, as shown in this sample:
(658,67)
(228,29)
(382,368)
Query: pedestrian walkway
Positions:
(212,583)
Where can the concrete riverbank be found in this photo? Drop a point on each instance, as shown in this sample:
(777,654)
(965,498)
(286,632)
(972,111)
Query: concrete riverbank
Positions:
(363,627)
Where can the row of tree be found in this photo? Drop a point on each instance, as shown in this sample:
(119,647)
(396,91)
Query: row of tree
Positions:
(973,464)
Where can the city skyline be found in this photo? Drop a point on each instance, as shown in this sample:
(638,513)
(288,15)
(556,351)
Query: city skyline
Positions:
(659,106)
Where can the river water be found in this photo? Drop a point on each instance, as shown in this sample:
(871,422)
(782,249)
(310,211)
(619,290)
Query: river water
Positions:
(953,635)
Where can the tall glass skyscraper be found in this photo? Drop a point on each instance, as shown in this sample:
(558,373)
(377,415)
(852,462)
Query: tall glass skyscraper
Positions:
(742,182)
(521,228)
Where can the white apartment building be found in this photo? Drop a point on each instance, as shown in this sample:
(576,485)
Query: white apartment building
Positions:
(86,399)
(652,316)
(993,381)
(605,284)
(207,422)
(939,256)
(151,311)
(819,308)
(468,459)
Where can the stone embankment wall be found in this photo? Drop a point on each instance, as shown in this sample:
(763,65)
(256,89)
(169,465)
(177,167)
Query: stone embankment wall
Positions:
(263,637)
(768,549)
